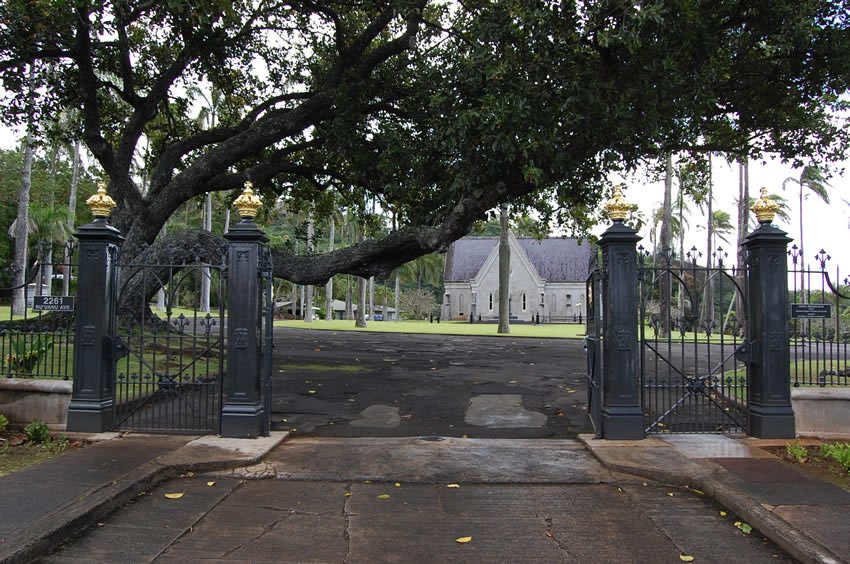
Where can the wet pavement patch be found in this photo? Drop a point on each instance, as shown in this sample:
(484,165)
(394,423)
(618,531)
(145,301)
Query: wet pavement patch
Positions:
(502,410)
(380,416)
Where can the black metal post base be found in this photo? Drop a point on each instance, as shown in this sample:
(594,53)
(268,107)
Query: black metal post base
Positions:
(89,416)
(768,422)
(622,424)
(242,421)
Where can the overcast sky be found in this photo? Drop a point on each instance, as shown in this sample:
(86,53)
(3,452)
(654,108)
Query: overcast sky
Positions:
(827,225)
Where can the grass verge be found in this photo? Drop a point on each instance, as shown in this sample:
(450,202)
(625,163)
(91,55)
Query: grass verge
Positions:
(545,331)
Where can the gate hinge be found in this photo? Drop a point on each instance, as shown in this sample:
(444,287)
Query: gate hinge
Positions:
(114,348)
(747,352)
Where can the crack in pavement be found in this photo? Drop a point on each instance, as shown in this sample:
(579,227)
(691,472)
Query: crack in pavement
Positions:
(266,530)
(346,513)
(551,535)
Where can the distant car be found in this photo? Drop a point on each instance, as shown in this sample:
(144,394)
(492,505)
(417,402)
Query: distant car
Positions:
(379,317)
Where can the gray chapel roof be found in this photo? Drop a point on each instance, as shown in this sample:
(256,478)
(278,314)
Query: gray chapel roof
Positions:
(556,259)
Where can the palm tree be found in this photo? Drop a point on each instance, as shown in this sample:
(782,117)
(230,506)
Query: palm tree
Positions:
(812,178)
(207,118)
(47,226)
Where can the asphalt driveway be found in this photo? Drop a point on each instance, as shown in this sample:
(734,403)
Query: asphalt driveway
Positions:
(347,384)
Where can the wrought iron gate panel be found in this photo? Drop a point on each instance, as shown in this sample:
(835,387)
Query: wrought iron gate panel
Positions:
(593,350)
(169,367)
(819,328)
(691,378)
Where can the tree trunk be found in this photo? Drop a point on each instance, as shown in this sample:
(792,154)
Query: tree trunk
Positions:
(743,224)
(205,278)
(396,292)
(160,295)
(292,301)
(308,304)
(329,287)
(47,272)
(361,293)
(708,302)
(72,208)
(371,297)
(802,298)
(665,240)
(21,230)
(504,272)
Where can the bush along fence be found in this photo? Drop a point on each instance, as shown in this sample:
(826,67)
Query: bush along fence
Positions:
(36,332)
(670,371)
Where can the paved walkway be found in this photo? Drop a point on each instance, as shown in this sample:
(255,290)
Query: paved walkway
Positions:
(323,499)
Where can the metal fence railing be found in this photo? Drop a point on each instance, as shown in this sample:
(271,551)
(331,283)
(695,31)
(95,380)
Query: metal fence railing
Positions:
(37,339)
(820,322)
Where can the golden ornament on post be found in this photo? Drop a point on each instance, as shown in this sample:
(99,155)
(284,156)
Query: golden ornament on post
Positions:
(101,204)
(618,208)
(248,204)
(765,208)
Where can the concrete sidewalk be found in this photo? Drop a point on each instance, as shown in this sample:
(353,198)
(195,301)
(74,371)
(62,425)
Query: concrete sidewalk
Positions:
(45,505)
(807,517)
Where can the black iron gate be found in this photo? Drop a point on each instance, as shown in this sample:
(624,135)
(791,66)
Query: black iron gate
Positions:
(691,329)
(593,350)
(169,354)
(265,322)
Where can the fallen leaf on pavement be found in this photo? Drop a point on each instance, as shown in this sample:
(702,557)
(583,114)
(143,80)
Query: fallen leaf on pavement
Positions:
(176,495)
(686,558)
(453,485)
(347,494)
(463,540)
(210,484)
(384,496)
(397,485)
(723,514)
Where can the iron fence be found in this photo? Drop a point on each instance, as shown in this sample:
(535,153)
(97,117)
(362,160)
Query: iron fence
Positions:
(820,322)
(37,341)
(690,334)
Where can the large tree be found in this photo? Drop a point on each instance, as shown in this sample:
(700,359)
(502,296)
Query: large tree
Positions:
(437,111)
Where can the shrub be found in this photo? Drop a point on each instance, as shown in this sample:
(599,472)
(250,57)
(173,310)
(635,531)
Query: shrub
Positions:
(839,452)
(797,452)
(3,422)
(37,432)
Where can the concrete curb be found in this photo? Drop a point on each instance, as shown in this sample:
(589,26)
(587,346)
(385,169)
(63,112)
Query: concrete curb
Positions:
(714,481)
(201,455)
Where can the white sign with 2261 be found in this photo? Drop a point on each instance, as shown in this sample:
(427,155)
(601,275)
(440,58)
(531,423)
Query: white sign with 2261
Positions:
(53,303)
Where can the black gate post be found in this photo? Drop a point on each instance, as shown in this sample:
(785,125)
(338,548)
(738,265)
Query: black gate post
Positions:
(622,417)
(91,406)
(771,415)
(242,412)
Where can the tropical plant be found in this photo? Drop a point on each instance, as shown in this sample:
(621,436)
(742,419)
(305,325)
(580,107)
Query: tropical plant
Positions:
(25,353)
(37,432)
(4,422)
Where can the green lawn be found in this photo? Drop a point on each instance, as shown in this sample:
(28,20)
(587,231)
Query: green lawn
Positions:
(549,331)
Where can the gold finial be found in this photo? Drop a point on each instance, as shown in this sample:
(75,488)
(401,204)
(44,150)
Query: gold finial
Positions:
(101,204)
(765,208)
(618,208)
(248,204)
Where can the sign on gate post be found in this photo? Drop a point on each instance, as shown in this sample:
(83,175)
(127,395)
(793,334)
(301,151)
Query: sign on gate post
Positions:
(53,303)
(811,311)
